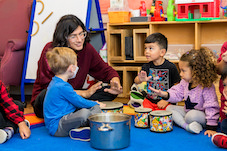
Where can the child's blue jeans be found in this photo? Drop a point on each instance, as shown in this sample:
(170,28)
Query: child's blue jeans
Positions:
(76,119)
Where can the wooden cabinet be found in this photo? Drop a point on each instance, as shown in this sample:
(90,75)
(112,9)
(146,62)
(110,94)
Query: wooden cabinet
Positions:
(179,34)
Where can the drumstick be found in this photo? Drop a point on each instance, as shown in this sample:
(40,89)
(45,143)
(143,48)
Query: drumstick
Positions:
(47,17)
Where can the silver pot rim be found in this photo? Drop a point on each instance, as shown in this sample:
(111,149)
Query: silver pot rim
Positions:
(124,117)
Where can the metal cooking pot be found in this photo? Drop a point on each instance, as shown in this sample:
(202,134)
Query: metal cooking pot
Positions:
(110,130)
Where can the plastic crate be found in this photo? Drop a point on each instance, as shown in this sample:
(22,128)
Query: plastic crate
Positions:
(119,16)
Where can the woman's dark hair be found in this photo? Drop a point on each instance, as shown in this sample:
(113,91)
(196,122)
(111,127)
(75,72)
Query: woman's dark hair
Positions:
(65,26)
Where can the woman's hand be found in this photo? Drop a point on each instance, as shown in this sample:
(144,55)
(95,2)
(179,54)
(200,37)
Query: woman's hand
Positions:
(24,130)
(115,86)
(93,89)
(89,92)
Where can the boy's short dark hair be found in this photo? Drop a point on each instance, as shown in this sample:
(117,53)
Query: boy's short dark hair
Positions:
(159,38)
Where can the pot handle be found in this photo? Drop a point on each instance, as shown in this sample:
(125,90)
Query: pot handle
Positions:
(105,127)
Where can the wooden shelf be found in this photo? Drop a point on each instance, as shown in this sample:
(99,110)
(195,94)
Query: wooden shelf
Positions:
(191,34)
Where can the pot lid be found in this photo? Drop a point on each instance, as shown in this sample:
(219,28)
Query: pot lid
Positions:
(109,117)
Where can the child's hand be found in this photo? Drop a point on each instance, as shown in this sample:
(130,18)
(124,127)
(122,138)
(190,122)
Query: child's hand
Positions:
(101,104)
(225,93)
(24,130)
(225,108)
(209,133)
(142,75)
(162,104)
(159,92)
(115,87)
(224,57)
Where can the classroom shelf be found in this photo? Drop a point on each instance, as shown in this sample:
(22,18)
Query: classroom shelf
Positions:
(181,36)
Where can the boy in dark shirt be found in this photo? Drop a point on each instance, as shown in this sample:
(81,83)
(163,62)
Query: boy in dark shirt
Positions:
(158,73)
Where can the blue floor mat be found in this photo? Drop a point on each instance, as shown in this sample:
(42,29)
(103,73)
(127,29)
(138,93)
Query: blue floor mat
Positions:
(141,139)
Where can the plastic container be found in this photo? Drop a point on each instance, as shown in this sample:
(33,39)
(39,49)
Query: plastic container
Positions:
(119,16)
(175,51)
(119,11)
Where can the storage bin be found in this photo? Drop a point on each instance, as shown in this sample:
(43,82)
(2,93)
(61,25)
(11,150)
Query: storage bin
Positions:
(175,51)
(119,16)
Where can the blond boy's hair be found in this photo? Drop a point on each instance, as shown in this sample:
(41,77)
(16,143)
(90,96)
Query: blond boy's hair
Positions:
(60,58)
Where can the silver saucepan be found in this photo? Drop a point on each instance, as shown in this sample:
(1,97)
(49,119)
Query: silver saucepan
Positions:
(110,130)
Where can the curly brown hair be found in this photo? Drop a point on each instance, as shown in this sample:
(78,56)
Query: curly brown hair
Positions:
(203,65)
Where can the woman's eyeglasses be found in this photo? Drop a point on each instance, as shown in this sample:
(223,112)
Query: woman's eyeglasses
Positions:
(82,35)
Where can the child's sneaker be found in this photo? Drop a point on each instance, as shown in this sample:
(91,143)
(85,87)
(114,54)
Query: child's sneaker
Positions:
(195,127)
(6,134)
(220,140)
(82,134)
(3,136)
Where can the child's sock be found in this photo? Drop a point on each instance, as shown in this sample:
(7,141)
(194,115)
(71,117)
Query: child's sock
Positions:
(194,127)
(6,134)
(185,125)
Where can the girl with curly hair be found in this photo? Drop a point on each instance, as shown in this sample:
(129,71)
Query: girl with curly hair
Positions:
(201,109)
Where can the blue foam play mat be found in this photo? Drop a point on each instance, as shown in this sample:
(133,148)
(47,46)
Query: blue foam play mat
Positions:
(141,139)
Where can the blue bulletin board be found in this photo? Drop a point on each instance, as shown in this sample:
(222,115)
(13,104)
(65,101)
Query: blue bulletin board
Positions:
(44,17)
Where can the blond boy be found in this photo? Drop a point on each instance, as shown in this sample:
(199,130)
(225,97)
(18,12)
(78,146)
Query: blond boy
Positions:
(65,112)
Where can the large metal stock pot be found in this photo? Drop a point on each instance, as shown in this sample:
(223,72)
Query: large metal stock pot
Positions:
(110,130)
